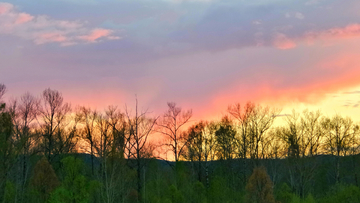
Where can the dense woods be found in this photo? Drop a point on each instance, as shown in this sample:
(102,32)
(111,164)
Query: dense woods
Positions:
(53,152)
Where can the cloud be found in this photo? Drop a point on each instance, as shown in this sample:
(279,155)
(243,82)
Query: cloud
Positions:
(97,34)
(229,50)
(299,15)
(281,41)
(23,18)
(42,29)
(349,31)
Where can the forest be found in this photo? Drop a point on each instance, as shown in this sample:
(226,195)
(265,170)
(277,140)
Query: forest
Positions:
(52,152)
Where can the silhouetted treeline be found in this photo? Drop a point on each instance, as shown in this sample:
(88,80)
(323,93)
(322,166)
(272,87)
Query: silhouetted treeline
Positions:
(52,152)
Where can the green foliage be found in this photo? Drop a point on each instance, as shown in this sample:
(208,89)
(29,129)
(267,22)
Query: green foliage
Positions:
(284,194)
(219,190)
(309,199)
(342,194)
(199,193)
(220,144)
(75,187)
(10,192)
(174,195)
(6,146)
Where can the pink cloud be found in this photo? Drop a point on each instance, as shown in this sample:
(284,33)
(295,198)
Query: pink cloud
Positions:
(43,29)
(97,34)
(281,41)
(350,31)
(5,8)
(50,37)
(23,18)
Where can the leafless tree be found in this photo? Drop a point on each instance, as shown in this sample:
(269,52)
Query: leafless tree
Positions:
(58,131)
(171,124)
(201,147)
(102,134)
(253,122)
(338,138)
(88,119)
(140,128)
(24,113)
(2,90)
(302,137)
(311,123)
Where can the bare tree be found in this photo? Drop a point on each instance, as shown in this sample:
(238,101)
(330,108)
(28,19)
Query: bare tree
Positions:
(171,125)
(302,138)
(338,138)
(108,140)
(2,90)
(139,129)
(57,130)
(253,122)
(24,113)
(88,118)
(225,139)
(201,147)
(242,115)
(311,141)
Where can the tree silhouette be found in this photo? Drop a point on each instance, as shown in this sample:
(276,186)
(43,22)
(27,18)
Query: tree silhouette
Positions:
(58,132)
(171,125)
(24,113)
(225,138)
(140,127)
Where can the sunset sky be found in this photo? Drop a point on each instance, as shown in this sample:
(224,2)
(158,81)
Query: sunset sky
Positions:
(201,54)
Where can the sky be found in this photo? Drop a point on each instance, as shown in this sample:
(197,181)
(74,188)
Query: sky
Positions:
(201,54)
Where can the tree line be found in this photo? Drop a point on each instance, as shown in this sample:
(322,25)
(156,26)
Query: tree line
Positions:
(51,152)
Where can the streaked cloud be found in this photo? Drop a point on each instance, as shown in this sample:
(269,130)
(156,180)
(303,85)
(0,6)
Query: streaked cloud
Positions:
(349,31)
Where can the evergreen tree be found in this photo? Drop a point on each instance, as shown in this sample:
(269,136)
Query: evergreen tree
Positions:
(259,187)
(44,180)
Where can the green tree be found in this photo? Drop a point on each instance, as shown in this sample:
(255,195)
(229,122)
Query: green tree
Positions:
(6,144)
(75,188)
